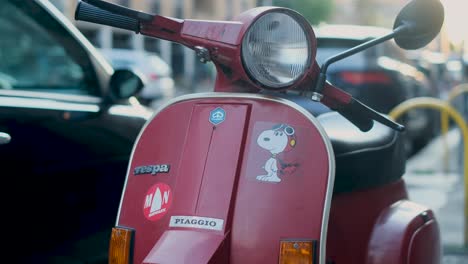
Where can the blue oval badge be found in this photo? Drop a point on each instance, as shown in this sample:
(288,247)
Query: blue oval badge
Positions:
(217,116)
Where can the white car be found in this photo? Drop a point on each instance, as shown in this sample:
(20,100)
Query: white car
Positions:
(159,83)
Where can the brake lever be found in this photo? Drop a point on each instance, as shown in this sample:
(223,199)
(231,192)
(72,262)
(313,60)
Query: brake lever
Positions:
(362,109)
(355,111)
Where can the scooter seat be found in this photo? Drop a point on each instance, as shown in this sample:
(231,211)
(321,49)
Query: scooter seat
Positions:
(363,159)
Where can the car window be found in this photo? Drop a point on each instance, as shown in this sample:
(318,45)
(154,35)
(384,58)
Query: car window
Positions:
(36,53)
(391,50)
(328,47)
(120,63)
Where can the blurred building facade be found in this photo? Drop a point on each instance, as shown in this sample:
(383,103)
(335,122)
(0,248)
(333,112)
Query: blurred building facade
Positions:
(181,59)
(379,13)
(367,12)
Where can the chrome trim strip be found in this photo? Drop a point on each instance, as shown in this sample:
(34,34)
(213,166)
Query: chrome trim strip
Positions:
(46,104)
(328,145)
(54,96)
(130,111)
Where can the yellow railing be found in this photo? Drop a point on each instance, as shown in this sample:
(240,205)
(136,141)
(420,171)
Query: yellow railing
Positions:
(444,107)
(444,118)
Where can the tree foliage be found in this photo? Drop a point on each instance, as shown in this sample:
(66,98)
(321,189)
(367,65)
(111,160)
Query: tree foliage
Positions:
(315,11)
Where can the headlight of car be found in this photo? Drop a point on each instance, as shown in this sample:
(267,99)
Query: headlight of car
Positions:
(276,49)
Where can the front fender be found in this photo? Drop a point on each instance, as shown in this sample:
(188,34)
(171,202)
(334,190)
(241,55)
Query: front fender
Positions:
(405,233)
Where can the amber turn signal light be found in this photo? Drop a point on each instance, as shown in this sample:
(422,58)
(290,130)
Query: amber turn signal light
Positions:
(296,252)
(121,246)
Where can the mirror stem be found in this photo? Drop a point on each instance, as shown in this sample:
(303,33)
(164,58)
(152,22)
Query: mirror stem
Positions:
(323,71)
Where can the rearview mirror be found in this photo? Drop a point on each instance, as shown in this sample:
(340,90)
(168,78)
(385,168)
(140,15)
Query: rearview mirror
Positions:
(424,19)
(124,84)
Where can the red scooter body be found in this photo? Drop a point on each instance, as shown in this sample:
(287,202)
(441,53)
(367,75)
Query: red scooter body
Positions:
(213,208)
(244,178)
(381,225)
(215,205)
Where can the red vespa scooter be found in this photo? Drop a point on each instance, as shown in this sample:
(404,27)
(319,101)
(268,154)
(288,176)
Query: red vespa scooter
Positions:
(247,176)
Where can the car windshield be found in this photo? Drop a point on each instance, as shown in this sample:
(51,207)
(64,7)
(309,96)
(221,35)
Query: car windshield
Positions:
(37,54)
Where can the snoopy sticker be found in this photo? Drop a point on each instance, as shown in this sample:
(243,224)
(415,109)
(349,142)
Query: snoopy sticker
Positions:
(280,138)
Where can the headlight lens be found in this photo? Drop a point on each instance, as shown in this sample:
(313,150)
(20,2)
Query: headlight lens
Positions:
(276,50)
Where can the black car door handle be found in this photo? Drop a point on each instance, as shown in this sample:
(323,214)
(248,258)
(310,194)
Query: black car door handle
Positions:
(4,138)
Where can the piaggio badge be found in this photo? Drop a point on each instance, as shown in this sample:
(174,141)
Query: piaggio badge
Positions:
(217,116)
(152,169)
(197,222)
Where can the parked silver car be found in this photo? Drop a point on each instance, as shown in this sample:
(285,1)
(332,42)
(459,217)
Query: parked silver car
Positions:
(159,83)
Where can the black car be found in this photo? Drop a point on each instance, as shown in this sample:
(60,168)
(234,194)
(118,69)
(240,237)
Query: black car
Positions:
(68,125)
(381,77)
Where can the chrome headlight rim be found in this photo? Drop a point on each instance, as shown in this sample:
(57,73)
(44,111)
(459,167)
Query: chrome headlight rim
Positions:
(311,47)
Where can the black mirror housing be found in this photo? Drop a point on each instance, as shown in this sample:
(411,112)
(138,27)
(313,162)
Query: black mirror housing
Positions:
(423,20)
(124,84)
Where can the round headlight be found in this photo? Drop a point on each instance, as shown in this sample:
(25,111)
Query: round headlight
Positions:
(276,50)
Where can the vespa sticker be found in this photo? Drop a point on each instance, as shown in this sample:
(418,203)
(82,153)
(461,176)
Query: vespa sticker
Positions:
(152,169)
(280,138)
(157,202)
(217,116)
(197,222)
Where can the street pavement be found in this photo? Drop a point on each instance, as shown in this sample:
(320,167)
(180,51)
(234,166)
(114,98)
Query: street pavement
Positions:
(440,186)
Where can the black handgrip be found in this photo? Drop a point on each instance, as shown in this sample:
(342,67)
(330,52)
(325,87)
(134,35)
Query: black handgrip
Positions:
(362,116)
(90,13)
(354,113)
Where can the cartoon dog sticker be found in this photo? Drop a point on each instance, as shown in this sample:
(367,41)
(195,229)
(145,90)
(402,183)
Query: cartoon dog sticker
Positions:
(280,138)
